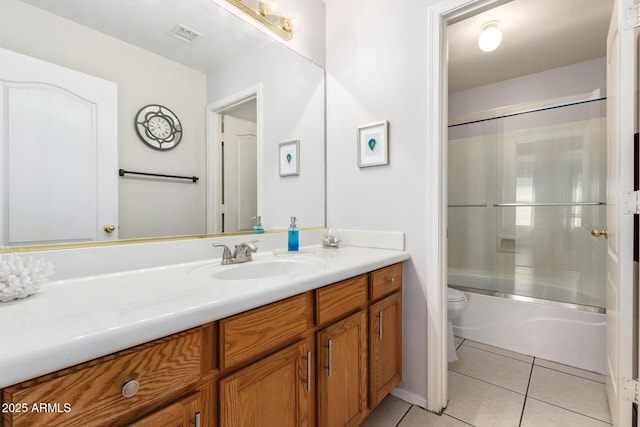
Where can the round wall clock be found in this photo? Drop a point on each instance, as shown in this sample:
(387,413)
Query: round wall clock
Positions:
(158,127)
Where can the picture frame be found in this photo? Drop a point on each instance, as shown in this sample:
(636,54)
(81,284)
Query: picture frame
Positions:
(373,144)
(289,158)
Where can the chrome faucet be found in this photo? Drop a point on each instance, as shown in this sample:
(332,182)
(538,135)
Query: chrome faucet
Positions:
(241,252)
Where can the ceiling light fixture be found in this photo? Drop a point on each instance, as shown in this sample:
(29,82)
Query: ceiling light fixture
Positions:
(490,37)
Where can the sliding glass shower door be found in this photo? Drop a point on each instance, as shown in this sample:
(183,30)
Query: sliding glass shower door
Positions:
(525,191)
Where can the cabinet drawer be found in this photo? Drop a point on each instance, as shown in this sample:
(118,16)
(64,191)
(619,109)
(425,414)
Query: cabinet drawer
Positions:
(93,392)
(335,301)
(249,334)
(183,413)
(386,280)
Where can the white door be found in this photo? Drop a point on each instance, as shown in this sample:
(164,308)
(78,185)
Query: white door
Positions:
(239,187)
(58,151)
(247,180)
(621,88)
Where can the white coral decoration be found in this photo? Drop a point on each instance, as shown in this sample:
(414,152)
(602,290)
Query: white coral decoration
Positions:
(22,277)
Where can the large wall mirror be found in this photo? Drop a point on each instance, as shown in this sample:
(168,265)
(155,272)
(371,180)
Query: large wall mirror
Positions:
(238,94)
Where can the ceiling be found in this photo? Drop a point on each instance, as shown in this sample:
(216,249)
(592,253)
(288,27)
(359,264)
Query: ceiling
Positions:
(147,24)
(538,35)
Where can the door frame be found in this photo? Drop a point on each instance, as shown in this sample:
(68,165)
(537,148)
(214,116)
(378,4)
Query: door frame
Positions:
(440,15)
(213,112)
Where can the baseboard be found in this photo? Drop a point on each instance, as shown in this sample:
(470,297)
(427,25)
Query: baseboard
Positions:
(409,397)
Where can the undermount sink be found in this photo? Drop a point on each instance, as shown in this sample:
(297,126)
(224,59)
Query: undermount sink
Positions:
(259,269)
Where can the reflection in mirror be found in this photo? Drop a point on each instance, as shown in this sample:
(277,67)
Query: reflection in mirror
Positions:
(116,42)
(236,146)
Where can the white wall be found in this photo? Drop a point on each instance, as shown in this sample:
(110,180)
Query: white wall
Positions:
(376,70)
(147,208)
(292,109)
(560,82)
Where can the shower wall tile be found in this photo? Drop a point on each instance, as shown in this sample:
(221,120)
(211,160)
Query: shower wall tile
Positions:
(471,239)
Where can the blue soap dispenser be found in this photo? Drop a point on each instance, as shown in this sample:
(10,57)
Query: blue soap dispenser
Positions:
(293,235)
(258,228)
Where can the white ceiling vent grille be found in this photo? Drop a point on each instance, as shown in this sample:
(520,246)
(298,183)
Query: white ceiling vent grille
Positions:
(186,34)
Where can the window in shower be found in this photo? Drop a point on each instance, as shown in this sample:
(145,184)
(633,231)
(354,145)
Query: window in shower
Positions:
(524,193)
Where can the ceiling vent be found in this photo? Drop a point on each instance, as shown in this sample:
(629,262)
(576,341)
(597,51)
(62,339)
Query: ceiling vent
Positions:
(186,34)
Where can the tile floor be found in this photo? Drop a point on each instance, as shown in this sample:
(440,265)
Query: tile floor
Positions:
(492,387)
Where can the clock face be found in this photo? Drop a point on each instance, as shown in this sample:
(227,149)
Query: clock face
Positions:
(158,127)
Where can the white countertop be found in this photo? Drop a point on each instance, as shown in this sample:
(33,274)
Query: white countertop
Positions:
(71,321)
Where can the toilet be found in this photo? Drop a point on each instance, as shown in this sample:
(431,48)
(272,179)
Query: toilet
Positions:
(456,303)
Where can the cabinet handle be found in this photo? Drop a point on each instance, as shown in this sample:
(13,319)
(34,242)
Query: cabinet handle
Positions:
(308,371)
(380,325)
(130,388)
(328,346)
(391,280)
(196,420)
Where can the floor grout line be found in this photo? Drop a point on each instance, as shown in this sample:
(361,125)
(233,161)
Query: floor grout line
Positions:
(464,340)
(533,363)
(499,354)
(526,394)
(570,410)
(404,415)
(455,418)
(574,375)
(487,382)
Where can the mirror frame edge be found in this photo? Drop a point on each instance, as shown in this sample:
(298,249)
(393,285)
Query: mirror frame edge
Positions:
(82,245)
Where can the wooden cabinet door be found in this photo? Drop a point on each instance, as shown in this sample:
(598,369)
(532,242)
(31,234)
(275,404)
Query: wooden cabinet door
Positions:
(275,391)
(187,412)
(385,347)
(342,372)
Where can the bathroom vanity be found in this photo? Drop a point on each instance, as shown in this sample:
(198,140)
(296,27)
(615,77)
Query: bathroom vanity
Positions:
(294,349)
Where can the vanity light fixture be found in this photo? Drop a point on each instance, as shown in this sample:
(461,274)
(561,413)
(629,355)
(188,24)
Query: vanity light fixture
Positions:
(266,12)
(490,37)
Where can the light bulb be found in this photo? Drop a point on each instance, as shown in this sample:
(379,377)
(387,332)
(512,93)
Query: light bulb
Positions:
(491,36)
(267,8)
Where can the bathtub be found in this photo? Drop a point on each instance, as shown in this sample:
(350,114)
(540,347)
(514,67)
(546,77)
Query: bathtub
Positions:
(569,336)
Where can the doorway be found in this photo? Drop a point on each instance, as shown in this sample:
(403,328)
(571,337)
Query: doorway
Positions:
(441,15)
(234,163)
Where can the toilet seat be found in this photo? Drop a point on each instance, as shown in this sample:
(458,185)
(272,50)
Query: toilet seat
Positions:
(454,295)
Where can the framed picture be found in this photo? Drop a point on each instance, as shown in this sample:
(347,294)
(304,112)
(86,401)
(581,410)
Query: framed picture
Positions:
(290,158)
(373,144)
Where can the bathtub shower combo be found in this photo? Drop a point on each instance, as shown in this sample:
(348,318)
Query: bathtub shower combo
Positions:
(526,190)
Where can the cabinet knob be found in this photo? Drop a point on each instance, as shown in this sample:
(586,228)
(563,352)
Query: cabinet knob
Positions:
(130,388)
(391,280)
